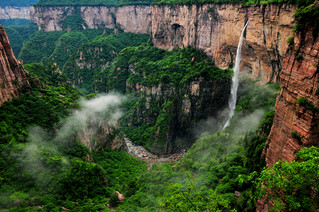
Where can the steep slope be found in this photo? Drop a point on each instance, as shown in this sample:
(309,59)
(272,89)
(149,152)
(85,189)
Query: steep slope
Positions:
(296,122)
(131,18)
(216,29)
(12,74)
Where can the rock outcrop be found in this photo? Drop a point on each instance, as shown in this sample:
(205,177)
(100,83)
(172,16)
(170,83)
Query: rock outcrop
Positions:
(132,18)
(9,12)
(181,111)
(12,74)
(296,121)
(216,29)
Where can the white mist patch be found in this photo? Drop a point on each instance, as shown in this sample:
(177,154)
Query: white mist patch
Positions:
(92,113)
(248,123)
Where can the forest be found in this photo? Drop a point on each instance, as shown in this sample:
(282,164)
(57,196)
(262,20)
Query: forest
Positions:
(19,3)
(62,144)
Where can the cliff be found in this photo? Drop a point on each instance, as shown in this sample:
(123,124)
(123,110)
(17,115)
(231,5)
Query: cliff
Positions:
(181,109)
(12,74)
(136,19)
(9,12)
(296,121)
(216,29)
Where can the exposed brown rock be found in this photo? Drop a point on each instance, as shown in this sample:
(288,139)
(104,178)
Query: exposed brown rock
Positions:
(299,78)
(216,29)
(12,74)
(131,18)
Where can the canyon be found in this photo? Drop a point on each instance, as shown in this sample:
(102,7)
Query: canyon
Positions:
(266,54)
(213,28)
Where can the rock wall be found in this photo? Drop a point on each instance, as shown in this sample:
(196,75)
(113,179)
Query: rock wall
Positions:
(9,12)
(299,78)
(130,18)
(191,104)
(12,74)
(216,29)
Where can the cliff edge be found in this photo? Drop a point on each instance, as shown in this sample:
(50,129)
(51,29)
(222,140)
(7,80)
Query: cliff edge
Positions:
(12,74)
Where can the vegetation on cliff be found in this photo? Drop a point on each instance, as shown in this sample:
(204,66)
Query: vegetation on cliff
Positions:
(19,34)
(219,171)
(38,171)
(48,46)
(93,56)
(170,75)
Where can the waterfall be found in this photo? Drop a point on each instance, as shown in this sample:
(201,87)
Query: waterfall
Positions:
(235,81)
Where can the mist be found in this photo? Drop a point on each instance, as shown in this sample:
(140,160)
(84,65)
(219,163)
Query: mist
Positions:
(93,113)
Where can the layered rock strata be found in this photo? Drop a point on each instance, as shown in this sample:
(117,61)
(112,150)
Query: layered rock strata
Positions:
(213,28)
(216,29)
(132,18)
(12,74)
(296,121)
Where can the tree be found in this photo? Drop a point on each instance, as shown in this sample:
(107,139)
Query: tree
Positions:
(293,186)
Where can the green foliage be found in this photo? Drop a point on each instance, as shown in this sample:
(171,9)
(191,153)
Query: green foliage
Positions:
(307,14)
(95,55)
(293,186)
(18,35)
(304,102)
(14,22)
(20,3)
(73,21)
(212,170)
(36,169)
(56,46)
(66,45)
(242,2)
(299,57)
(150,66)
(290,41)
(40,46)
(296,135)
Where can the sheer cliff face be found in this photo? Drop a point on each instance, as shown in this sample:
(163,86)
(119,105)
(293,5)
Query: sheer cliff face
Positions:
(299,78)
(216,29)
(132,18)
(14,12)
(12,74)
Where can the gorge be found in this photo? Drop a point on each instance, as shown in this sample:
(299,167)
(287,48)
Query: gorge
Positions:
(175,75)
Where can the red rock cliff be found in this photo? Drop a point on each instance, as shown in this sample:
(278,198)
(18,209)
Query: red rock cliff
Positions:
(12,73)
(299,78)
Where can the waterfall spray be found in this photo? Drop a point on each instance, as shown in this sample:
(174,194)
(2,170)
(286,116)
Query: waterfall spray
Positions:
(235,81)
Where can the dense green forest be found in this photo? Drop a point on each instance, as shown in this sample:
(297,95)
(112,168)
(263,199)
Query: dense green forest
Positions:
(19,34)
(21,3)
(10,22)
(42,46)
(45,165)
(94,55)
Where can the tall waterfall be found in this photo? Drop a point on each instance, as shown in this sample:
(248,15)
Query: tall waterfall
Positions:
(235,81)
